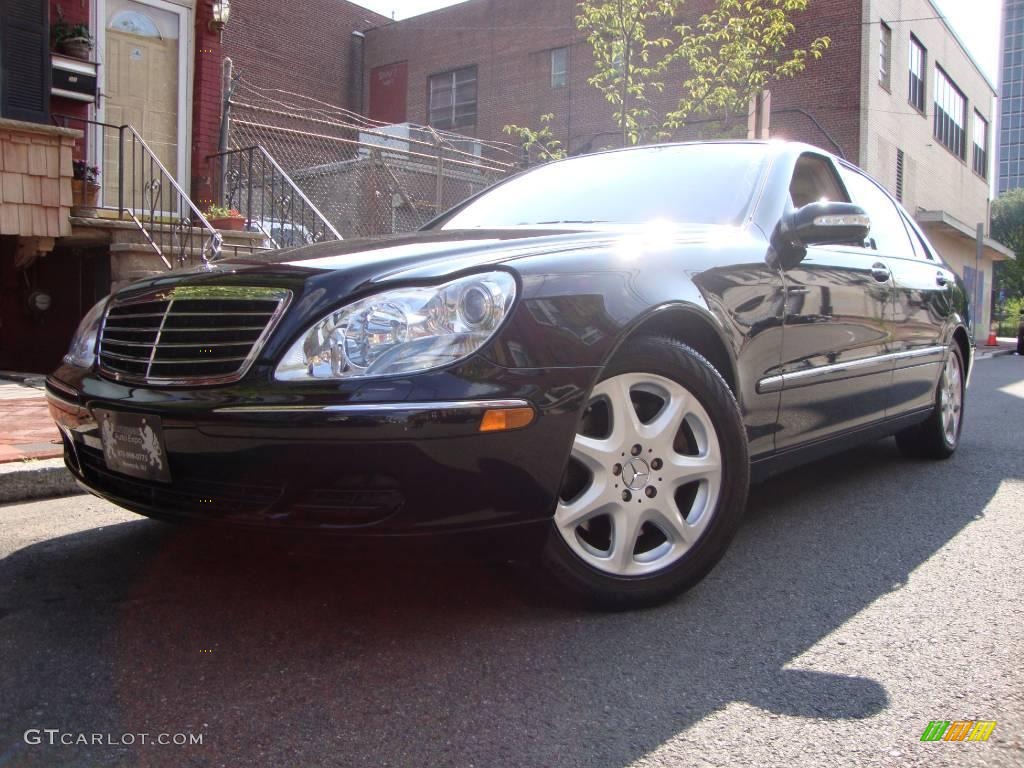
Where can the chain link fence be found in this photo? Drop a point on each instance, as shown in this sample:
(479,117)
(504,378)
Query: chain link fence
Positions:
(365,178)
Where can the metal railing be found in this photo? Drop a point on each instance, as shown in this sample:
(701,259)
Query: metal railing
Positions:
(250,181)
(148,195)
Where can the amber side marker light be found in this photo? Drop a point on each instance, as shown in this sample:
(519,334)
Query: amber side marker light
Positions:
(503,419)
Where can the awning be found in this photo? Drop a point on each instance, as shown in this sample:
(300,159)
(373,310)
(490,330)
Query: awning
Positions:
(940,221)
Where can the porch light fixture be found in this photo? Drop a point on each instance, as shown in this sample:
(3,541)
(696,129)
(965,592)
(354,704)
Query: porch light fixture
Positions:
(221,13)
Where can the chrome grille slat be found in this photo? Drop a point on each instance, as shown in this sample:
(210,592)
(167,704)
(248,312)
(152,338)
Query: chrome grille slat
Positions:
(177,337)
(166,345)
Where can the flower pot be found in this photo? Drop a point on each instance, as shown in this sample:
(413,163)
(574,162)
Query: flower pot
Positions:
(231,223)
(85,198)
(78,47)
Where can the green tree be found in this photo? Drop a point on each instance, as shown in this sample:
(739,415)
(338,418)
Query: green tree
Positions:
(733,53)
(540,142)
(1008,228)
(629,65)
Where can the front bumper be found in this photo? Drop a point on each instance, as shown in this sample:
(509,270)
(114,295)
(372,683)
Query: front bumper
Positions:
(352,461)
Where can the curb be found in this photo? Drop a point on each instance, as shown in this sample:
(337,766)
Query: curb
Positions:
(985,355)
(35,479)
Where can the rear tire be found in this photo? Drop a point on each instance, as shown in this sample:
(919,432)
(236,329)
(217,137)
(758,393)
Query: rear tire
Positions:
(657,481)
(938,437)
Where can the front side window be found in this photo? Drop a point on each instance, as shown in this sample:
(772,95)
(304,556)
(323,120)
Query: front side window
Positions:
(559,67)
(885,56)
(453,99)
(814,181)
(980,145)
(687,184)
(950,115)
(888,233)
(918,61)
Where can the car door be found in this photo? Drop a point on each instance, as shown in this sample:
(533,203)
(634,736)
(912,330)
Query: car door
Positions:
(838,321)
(921,299)
(923,319)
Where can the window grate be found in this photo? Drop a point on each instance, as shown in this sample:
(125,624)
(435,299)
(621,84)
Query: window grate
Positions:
(899,174)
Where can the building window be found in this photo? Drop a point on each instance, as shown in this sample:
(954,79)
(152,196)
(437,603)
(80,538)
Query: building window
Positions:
(559,67)
(980,145)
(918,61)
(885,57)
(453,99)
(950,115)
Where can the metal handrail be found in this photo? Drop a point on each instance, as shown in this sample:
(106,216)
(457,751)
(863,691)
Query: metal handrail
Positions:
(254,183)
(182,244)
(216,239)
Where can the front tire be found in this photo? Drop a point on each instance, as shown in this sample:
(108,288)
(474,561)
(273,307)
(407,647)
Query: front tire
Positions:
(657,480)
(938,437)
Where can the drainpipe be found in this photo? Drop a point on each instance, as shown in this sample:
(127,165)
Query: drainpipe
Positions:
(355,72)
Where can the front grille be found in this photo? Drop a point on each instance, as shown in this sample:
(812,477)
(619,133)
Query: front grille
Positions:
(189,335)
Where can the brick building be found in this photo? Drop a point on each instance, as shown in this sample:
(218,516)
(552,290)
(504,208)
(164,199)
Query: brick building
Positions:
(155,65)
(897,93)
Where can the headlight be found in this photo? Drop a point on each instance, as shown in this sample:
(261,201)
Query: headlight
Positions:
(402,331)
(83,344)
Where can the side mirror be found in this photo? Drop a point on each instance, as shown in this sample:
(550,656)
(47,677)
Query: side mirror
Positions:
(817,224)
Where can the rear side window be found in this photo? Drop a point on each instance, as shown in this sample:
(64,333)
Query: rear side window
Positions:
(888,233)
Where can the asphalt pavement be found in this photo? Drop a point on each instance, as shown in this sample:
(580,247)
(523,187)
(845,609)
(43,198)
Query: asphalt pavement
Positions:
(865,596)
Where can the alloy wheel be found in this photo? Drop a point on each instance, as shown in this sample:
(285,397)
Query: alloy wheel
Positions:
(951,398)
(645,476)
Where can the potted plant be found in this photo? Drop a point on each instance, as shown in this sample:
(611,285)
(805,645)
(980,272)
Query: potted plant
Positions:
(72,39)
(225,218)
(85,189)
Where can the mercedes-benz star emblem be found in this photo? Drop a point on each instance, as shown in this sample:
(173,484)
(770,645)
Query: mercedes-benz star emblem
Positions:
(635,474)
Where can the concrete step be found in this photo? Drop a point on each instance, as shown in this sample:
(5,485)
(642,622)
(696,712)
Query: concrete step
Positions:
(104,229)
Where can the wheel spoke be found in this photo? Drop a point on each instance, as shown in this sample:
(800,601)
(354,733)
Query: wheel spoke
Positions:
(596,455)
(662,431)
(589,504)
(687,469)
(626,424)
(672,524)
(626,524)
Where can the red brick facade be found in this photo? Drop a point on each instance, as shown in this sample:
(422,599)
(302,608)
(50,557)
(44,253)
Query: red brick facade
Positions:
(300,47)
(509,41)
(207,102)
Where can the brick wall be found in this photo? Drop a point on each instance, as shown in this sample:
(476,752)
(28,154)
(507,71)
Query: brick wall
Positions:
(300,47)
(510,42)
(75,12)
(207,102)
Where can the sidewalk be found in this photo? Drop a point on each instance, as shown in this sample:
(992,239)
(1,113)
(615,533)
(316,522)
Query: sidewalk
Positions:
(26,429)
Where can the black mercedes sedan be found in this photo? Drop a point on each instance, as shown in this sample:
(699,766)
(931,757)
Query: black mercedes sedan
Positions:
(592,359)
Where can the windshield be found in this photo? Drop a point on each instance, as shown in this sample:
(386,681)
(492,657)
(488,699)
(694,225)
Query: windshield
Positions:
(696,183)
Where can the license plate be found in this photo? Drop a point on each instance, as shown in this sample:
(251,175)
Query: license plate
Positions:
(133,444)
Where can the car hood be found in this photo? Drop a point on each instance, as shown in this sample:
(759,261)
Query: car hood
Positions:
(321,275)
(425,255)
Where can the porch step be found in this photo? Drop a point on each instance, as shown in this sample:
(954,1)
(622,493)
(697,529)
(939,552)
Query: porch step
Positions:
(103,229)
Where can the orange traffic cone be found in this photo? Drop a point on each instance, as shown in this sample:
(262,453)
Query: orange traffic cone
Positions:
(992,340)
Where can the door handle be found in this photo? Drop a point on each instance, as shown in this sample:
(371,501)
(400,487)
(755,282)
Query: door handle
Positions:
(941,280)
(880,272)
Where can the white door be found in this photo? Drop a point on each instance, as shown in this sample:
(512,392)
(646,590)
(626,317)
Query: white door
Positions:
(145,54)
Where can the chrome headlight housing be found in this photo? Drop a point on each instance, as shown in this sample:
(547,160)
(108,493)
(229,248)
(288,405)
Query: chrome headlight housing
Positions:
(402,331)
(83,344)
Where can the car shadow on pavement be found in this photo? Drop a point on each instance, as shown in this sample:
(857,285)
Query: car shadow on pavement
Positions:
(283,655)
